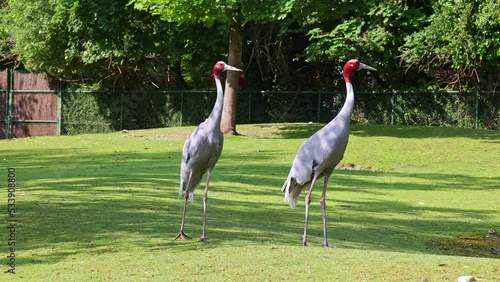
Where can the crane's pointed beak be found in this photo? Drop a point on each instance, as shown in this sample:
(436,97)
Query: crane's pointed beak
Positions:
(366,67)
(228,67)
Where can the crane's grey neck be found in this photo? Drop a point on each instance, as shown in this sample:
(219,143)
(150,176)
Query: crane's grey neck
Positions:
(216,115)
(346,111)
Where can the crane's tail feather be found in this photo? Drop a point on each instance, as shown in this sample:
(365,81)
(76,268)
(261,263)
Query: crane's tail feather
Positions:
(292,191)
(182,189)
(191,194)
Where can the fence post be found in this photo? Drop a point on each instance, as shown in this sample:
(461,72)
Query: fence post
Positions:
(249,106)
(8,101)
(59,108)
(319,105)
(392,107)
(121,108)
(182,105)
(477,107)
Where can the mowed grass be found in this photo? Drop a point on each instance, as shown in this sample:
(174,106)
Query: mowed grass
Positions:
(106,207)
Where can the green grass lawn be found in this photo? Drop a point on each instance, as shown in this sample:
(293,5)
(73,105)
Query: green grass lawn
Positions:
(106,207)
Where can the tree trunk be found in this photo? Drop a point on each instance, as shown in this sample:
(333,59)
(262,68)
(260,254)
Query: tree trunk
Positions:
(228,123)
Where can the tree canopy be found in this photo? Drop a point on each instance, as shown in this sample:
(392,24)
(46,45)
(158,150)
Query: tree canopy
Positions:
(285,44)
(461,45)
(232,13)
(102,43)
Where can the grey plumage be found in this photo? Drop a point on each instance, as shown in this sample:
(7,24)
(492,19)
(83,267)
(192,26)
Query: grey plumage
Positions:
(201,152)
(318,155)
(202,149)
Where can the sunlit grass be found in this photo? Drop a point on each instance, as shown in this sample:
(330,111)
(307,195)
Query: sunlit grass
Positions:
(106,207)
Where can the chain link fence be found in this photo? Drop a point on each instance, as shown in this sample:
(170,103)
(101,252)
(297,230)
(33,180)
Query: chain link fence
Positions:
(32,105)
(100,111)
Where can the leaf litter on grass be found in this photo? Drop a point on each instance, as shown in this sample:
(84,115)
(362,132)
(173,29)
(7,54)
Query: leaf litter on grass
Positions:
(473,245)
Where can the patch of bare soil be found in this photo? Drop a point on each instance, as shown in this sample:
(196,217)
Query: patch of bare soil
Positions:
(475,245)
(353,167)
(173,136)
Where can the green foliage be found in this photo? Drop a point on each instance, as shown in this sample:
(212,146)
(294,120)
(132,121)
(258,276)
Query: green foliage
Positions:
(459,48)
(299,45)
(112,111)
(5,40)
(210,12)
(436,109)
(370,31)
(94,111)
(288,44)
(37,28)
(104,43)
(82,113)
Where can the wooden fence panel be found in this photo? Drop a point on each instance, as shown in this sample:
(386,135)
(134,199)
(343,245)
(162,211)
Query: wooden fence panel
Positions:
(33,113)
(33,105)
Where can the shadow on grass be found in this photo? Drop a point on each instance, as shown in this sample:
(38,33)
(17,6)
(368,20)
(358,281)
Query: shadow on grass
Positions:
(75,203)
(294,130)
(305,130)
(419,132)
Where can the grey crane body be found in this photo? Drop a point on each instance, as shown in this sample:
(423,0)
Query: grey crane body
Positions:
(201,152)
(203,148)
(319,155)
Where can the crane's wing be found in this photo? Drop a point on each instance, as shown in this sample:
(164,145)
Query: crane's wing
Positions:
(301,173)
(200,153)
(319,154)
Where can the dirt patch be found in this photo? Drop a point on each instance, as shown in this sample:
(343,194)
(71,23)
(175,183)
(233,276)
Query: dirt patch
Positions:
(156,136)
(169,137)
(476,245)
(353,167)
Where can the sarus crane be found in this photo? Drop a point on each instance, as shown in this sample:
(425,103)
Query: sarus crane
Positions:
(202,151)
(318,155)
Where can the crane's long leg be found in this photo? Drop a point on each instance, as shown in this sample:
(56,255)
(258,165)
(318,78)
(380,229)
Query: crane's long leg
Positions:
(308,202)
(186,197)
(323,211)
(205,200)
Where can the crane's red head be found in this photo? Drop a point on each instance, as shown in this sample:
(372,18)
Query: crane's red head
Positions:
(352,66)
(220,66)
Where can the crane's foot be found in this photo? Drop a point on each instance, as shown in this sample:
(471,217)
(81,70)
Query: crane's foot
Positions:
(326,245)
(203,238)
(182,236)
(305,243)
